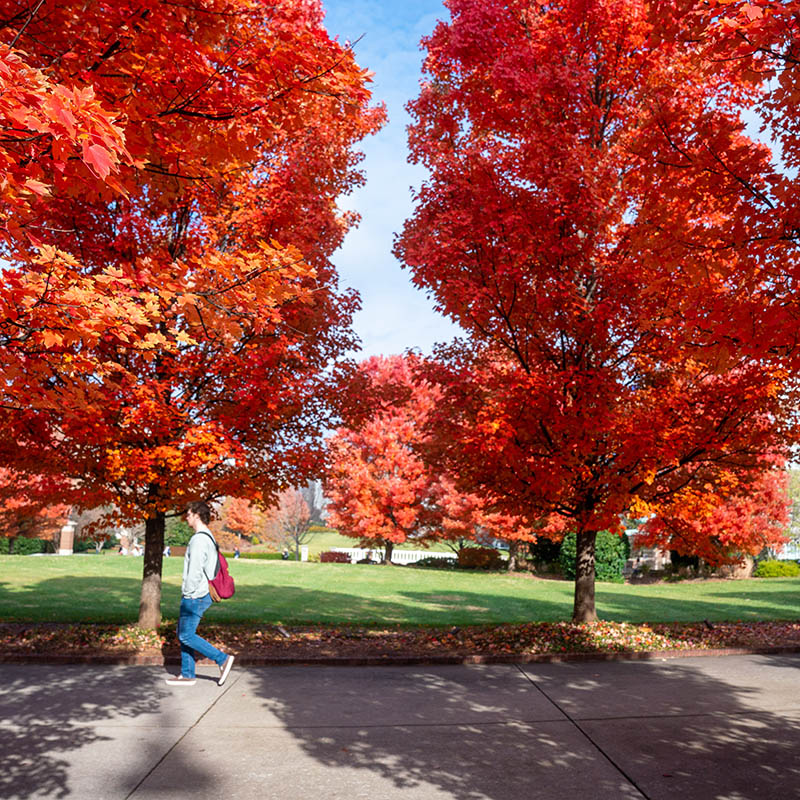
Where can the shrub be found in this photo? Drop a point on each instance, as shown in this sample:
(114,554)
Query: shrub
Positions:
(331,557)
(431,562)
(611,553)
(25,547)
(259,556)
(315,528)
(87,546)
(777,569)
(479,558)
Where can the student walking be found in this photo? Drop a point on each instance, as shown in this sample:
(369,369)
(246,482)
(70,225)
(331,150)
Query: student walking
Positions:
(199,563)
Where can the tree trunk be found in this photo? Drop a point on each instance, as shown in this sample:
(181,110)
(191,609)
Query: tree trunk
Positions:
(583,609)
(387,552)
(150,605)
(513,556)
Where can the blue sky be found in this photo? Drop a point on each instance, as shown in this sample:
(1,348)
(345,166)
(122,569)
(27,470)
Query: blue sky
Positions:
(395,315)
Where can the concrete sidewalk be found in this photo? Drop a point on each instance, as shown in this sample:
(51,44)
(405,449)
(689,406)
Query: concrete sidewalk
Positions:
(710,728)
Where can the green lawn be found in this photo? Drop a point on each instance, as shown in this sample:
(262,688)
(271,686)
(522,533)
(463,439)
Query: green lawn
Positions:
(106,589)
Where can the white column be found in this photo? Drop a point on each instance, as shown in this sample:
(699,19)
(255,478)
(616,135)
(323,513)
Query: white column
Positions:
(67,540)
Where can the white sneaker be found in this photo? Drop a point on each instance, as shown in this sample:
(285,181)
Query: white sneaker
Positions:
(181,680)
(224,670)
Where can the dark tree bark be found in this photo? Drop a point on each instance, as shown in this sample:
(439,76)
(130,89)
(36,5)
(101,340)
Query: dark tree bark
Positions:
(584,609)
(150,604)
(513,556)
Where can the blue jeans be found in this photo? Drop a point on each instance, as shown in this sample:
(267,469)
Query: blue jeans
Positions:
(192,645)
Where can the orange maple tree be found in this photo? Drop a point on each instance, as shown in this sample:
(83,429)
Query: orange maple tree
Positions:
(382,490)
(28,506)
(49,128)
(239,517)
(585,224)
(240,118)
(723,526)
(54,131)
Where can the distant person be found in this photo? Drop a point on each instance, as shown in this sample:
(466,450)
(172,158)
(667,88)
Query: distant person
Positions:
(167,551)
(236,553)
(285,554)
(199,563)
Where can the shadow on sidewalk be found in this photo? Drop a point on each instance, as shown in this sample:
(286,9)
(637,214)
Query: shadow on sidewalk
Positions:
(658,730)
(52,714)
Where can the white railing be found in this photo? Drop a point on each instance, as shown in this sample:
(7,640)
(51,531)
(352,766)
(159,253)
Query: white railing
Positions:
(398,556)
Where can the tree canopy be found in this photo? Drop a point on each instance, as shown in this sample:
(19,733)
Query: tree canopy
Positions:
(211,244)
(584,222)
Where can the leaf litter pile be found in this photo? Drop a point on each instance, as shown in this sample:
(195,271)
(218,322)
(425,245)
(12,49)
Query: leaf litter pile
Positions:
(276,643)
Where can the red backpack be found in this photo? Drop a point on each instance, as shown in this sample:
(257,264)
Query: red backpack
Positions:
(221,586)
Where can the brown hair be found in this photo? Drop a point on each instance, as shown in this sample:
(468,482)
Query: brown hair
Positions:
(202,509)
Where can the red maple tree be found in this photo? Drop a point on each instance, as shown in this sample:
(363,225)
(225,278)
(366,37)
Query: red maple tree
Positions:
(583,218)
(240,120)
(757,45)
(381,487)
(46,128)
(377,486)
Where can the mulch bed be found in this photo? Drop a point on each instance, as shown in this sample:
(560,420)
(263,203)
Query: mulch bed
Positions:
(270,644)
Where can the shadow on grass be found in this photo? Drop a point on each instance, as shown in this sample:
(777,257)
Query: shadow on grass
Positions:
(755,603)
(605,731)
(297,605)
(116,600)
(80,599)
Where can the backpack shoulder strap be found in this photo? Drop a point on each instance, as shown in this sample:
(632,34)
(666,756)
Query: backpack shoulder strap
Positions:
(219,560)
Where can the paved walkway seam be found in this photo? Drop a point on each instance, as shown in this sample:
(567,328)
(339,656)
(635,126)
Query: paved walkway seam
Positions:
(178,741)
(586,736)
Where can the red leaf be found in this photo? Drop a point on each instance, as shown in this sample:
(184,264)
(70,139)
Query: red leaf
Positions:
(98,160)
